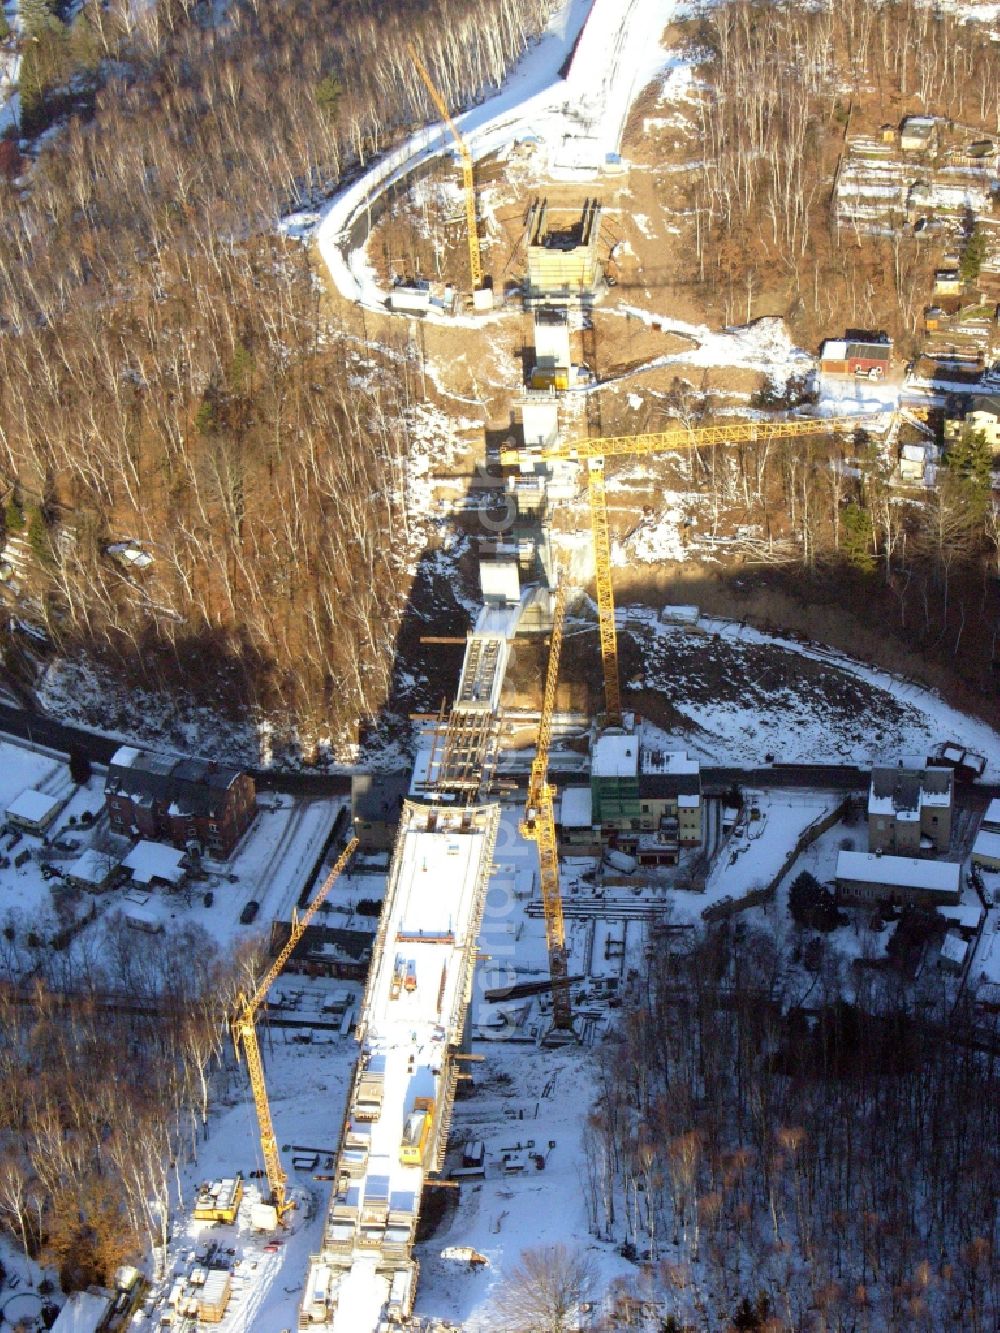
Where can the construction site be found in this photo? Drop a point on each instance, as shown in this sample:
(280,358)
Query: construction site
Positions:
(636,818)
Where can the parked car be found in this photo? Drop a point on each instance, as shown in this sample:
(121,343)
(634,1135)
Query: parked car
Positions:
(249,912)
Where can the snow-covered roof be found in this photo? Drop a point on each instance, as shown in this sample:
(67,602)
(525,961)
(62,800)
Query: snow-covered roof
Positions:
(921,124)
(668,761)
(965,914)
(986,964)
(92,866)
(987,844)
(125,756)
(954,948)
(33,806)
(615,755)
(834,349)
(914,453)
(688,802)
(904,872)
(84,1312)
(577,807)
(992,815)
(152,860)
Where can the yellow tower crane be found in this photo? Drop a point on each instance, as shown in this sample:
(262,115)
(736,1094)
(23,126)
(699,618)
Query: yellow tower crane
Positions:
(539,826)
(244,1031)
(468,178)
(594,452)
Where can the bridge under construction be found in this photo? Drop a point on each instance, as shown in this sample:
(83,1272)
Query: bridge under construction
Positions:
(413,1018)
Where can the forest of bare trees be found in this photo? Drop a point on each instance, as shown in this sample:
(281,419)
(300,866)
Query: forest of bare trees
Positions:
(108,1058)
(784,81)
(795,1168)
(171,375)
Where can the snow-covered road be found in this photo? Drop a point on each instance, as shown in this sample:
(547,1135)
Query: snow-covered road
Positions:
(579,119)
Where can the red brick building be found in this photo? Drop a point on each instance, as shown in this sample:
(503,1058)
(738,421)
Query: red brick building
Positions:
(182,801)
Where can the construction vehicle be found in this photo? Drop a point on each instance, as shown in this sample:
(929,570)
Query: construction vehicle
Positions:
(416,1132)
(468,186)
(244,1030)
(593,453)
(539,826)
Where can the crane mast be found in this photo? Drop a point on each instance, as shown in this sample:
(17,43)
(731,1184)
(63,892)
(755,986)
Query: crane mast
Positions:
(593,452)
(468,177)
(539,826)
(244,1032)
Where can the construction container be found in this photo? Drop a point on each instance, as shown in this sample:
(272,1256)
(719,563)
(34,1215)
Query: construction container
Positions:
(368,1095)
(316,1303)
(416,1132)
(550,377)
(220,1200)
(411,298)
(263,1217)
(214,1296)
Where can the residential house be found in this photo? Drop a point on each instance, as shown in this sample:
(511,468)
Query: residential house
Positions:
(982,414)
(33,810)
(637,791)
(857,353)
(871,877)
(909,808)
(151,863)
(183,801)
(93,870)
(913,459)
(670,802)
(918,134)
(948,282)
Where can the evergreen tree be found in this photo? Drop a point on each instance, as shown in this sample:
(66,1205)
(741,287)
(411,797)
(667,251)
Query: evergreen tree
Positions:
(856,542)
(329,91)
(13,517)
(973,255)
(38,534)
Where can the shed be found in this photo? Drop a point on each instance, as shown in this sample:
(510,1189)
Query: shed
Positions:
(866,877)
(986,849)
(918,134)
(152,862)
(954,951)
(33,810)
(93,870)
(84,1312)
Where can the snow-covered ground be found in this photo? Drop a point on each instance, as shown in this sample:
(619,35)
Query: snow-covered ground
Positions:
(272,864)
(802,703)
(577,122)
(763,345)
(307,1087)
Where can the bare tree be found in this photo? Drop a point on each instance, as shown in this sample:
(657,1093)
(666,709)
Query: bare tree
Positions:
(547,1291)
